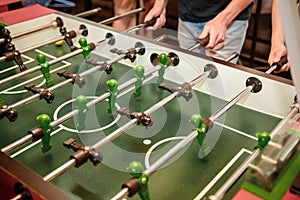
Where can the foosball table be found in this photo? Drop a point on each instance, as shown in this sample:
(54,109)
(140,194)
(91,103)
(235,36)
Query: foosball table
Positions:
(88,112)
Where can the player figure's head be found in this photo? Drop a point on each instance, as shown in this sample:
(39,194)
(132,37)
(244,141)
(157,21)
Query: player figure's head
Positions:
(139,70)
(263,139)
(112,84)
(43,119)
(163,58)
(82,42)
(41,58)
(135,169)
(81,101)
(196,120)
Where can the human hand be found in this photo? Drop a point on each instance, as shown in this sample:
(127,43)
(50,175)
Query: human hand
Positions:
(158,11)
(278,51)
(215,30)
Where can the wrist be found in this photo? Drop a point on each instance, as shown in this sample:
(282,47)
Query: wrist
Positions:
(161,3)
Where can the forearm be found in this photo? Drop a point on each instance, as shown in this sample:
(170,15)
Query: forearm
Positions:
(277,32)
(233,9)
(161,3)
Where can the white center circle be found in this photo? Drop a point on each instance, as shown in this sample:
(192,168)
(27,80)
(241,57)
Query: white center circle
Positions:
(55,117)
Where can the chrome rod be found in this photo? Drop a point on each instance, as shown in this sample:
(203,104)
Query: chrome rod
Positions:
(231,103)
(232,56)
(112,19)
(121,195)
(59,170)
(35,29)
(89,12)
(162,160)
(16,144)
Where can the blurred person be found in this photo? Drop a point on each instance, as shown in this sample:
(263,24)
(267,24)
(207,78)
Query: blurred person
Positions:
(224,22)
(124,6)
(278,48)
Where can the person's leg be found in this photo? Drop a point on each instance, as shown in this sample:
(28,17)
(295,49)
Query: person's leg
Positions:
(123,6)
(188,33)
(234,40)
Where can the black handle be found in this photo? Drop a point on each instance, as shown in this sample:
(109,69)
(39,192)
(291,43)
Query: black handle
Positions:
(203,42)
(151,22)
(283,60)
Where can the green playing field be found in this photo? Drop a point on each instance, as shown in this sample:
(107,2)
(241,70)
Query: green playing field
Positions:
(184,177)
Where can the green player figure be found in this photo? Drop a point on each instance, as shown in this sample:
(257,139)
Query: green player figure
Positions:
(263,140)
(45,68)
(163,61)
(201,128)
(44,123)
(86,48)
(136,171)
(139,74)
(112,89)
(82,108)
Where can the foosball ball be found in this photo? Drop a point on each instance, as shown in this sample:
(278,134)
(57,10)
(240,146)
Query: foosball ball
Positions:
(88,112)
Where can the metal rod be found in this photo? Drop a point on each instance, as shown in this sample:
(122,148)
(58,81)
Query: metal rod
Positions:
(89,12)
(16,144)
(200,77)
(194,47)
(23,102)
(135,28)
(231,103)
(35,29)
(121,195)
(115,134)
(162,160)
(42,44)
(232,56)
(112,19)
(133,80)
(59,170)
(232,179)
(271,69)
(289,116)
(161,103)
(2,58)
(17,197)
(23,73)
(55,39)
